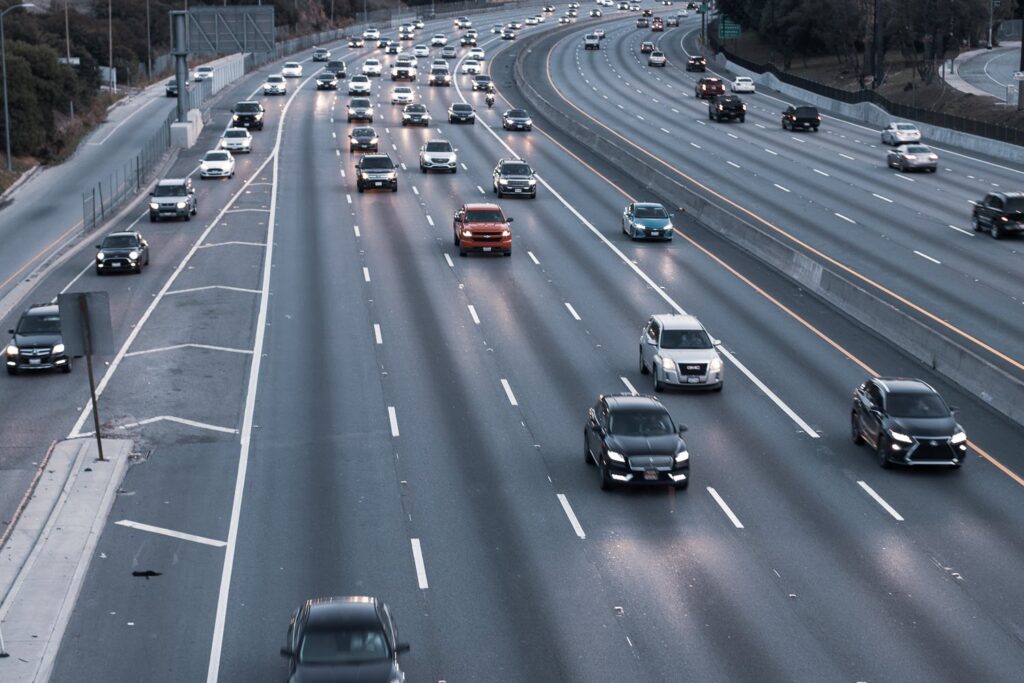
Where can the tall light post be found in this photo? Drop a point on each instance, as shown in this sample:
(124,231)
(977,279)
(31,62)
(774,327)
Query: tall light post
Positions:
(3,59)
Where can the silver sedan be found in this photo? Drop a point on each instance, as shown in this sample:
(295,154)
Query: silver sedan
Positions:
(912,158)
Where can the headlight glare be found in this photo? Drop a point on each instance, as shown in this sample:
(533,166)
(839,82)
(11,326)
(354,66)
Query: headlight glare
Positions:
(58,348)
(899,436)
(683,457)
(716,364)
(133,254)
(668,364)
(959,437)
(154,205)
(181,205)
(100,256)
(12,350)
(616,457)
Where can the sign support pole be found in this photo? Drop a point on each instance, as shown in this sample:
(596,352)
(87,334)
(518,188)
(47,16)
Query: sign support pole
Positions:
(83,306)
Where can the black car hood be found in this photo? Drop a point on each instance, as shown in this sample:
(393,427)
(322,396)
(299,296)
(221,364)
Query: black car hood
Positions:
(33,340)
(669,444)
(938,427)
(119,251)
(375,672)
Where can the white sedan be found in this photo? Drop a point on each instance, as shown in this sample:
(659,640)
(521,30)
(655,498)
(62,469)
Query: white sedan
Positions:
(421,50)
(900,133)
(236,140)
(372,67)
(371,34)
(292,70)
(531,21)
(401,94)
(470,66)
(743,84)
(359,85)
(275,85)
(217,164)
(439,40)
(476,53)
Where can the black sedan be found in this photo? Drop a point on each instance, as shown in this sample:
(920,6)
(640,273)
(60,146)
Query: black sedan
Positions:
(907,423)
(327,80)
(363,139)
(461,113)
(343,639)
(122,251)
(415,115)
(633,440)
(516,119)
(483,82)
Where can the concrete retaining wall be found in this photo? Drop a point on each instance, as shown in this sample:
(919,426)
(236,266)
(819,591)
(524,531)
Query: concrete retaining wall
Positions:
(974,373)
(226,70)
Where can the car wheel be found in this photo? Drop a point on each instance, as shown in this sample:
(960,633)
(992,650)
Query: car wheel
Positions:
(974,222)
(152,218)
(66,368)
(188,216)
(394,188)
(462,252)
(742,119)
(855,430)
(995,230)
(711,117)
(683,485)
(883,458)
(658,385)
(903,166)
(359,188)
(643,366)
(606,481)
(423,169)
(815,129)
(12,371)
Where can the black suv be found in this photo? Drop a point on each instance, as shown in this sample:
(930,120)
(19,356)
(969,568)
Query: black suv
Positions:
(37,343)
(696,63)
(1000,213)
(122,251)
(727,107)
(376,170)
(337,67)
(633,440)
(805,117)
(906,422)
(248,114)
(514,176)
(516,119)
(363,139)
(461,113)
(326,80)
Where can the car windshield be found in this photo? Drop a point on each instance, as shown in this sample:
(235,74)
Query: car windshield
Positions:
(439,147)
(275,79)
(651,212)
(363,133)
(169,191)
(482,79)
(291,65)
(326,76)
(247,107)
(118,242)
(172,83)
(905,126)
(462,108)
(515,169)
(343,646)
(485,216)
(39,324)
(806,111)
(239,133)
(216,156)
(685,339)
(377,163)
(359,102)
(516,114)
(1015,204)
(416,108)
(204,69)
(916,405)
(360,79)
(639,423)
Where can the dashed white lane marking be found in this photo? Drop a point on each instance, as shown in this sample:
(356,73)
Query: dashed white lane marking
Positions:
(473,315)
(355,229)
(572,311)
(784,189)
(421,569)
(848,220)
(377,336)
(448,260)
(337,152)
(533,258)
(629,386)
(903,177)
(171,533)
(348,198)
(508,392)
(966,232)
(694,144)
(927,257)
(394,147)
(366,274)
(847,156)
(674,110)
(481,189)
(733,136)
(334,135)
(393,421)
(415,191)
(772,152)
(878,196)
(572,516)
(665,130)
(878,499)
(726,509)
(342,173)
(734,165)
(430,221)
(822,173)
(463,166)
(759,125)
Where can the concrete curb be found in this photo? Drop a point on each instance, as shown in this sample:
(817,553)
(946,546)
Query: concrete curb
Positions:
(44,563)
(997,388)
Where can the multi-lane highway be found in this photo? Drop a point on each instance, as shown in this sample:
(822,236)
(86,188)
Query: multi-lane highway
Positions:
(328,400)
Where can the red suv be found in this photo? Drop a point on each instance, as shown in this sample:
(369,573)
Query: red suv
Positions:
(482,227)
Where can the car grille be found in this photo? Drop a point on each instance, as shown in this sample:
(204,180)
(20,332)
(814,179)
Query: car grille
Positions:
(930,448)
(439,161)
(487,236)
(639,463)
(697,369)
(41,352)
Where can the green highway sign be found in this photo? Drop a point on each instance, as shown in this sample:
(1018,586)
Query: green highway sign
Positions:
(727,28)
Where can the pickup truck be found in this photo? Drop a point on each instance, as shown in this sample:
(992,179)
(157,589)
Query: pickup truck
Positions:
(804,117)
(482,227)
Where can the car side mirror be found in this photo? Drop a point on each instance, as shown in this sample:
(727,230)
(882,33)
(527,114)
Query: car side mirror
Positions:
(509,219)
(953,410)
(286,652)
(402,647)
(682,428)
(191,190)
(99,246)
(152,194)
(716,342)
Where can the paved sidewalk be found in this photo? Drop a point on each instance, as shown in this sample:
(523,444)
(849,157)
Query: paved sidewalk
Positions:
(971,70)
(44,562)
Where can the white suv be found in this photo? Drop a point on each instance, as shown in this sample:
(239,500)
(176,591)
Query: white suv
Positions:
(677,351)
(438,155)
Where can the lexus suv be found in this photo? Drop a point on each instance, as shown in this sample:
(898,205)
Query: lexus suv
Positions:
(676,350)
(438,155)
(514,176)
(633,440)
(248,114)
(907,423)
(37,343)
(1000,213)
(122,251)
(173,198)
(376,171)
(482,227)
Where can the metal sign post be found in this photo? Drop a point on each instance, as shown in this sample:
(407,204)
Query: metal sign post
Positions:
(86,331)
(83,307)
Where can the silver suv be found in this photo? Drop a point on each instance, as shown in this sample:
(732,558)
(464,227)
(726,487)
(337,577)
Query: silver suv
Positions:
(172,198)
(514,176)
(678,351)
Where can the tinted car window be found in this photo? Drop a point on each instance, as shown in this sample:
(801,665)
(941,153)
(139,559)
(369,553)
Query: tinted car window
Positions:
(360,102)
(343,646)
(685,339)
(216,156)
(516,169)
(485,216)
(39,324)
(517,114)
(415,108)
(363,132)
(639,423)
(1015,204)
(916,405)
(651,212)
(377,163)
(905,126)
(275,79)
(235,134)
(169,190)
(247,107)
(438,147)
(806,111)
(118,242)
(462,108)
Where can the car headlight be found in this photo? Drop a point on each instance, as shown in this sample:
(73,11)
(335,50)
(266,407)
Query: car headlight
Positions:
(682,457)
(506,233)
(58,348)
(668,365)
(716,364)
(617,457)
(373,141)
(532,182)
(11,350)
(503,181)
(351,111)
(391,176)
(182,205)
(234,117)
(744,107)
(467,233)
(133,254)
(899,436)
(100,256)
(154,205)
(959,437)
(259,116)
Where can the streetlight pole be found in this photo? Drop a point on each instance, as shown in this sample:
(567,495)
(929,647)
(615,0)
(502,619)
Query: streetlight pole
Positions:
(3,59)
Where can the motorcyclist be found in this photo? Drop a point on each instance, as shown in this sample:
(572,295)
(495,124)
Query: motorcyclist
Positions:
(489,99)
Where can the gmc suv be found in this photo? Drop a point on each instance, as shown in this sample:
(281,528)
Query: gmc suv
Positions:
(37,343)
(805,117)
(482,227)
(173,198)
(376,170)
(1000,213)
(727,107)
(247,114)
(514,176)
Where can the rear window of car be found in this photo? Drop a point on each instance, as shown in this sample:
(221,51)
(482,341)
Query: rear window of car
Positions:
(485,216)
(685,339)
(806,111)
(905,126)
(1015,204)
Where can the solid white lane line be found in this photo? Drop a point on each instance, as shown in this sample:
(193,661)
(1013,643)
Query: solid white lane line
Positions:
(878,499)
(769,393)
(572,516)
(473,315)
(884,199)
(572,311)
(171,533)
(927,257)
(355,229)
(847,156)
(76,278)
(393,421)
(966,232)
(822,173)
(533,258)
(629,385)
(366,274)
(421,570)
(784,189)
(430,221)
(734,165)
(848,220)
(508,392)
(726,509)
(448,260)
(376,333)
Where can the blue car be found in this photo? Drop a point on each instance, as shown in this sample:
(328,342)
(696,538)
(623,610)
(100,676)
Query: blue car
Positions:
(647,220)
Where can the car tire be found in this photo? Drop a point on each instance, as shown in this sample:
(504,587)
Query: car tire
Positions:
(394,188)
(995,231)
(783,124)
(606,482)
(12,371)
(462,252)
(188,216)
(359,187)
(66,368)
(976,224)
(903,167)
(855,434)
(423,169)
(659,386)
(815,129)
(883,459)
(643,366)
(683,485)
(743,119)
(152,218)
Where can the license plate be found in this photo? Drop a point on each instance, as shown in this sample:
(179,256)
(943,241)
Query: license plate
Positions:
(518,189)
(693,380)
(656,233)
(115,265)
(650,476)
(34,361)
(487,248)
(378,183)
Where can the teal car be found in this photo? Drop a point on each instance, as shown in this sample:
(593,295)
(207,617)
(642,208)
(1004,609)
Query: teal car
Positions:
(647,220)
